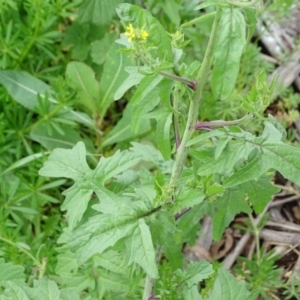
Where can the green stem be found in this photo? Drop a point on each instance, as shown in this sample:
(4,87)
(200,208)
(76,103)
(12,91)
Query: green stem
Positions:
(195,102)
(210,124)
(256,237)
(189,129)
(198,20)
(176,117)
(22,250)
(241,4)
(192,84)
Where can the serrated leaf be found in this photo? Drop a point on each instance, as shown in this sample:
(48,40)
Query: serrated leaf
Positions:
(76,203)
(43,288)
(165,233)
(72,164)
(232,202)
(13,291)
(99,12)
(66,262)
(61,163)
(141,18)
(11,272)
(83,80)
(69,294)
(222,142)
(226,287)
(230,43)
(112,261)
(231,155)
(99,233)
(187,197)
(191,294)
(259,192)
(196,272)
(139,249)
(272,153)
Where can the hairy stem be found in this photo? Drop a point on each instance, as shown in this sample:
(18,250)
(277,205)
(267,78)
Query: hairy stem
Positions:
(195,103)
(189,129)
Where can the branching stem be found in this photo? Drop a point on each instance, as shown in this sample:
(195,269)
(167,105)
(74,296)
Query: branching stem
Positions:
(189,129)
(195,103)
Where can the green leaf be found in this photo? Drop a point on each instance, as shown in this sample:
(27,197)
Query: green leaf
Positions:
(61,163)
(24,161)
(69,294)
(208,3)
(122,131)
(165,233)
(14,291)
(112,76)
(43,288)
(187,197)
(147,85)
(25,88)
(72,164)
(66,262)
(231,155)
(139,249)
(120,218)
(228,205)
(191,294)
(76,202)
(133,79)
(100,48)
(158,37)
(226,287)
(259,192)
(99,12)
(271,153)
(196,272)
(145,99)
(11,272)
(82,78)
(204,136)
(99,233)
(230,43)
(163,137)
(53,139)
(171,9)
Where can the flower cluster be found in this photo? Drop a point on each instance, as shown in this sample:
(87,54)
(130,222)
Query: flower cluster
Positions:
(135,33)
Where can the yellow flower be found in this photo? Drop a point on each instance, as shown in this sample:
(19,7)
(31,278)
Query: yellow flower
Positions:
(135,33)
(130,32)
(144,34)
